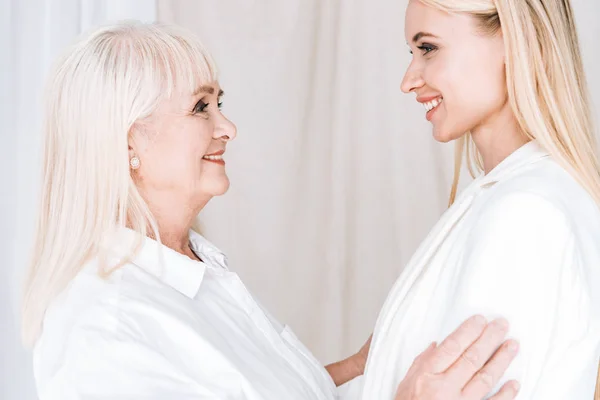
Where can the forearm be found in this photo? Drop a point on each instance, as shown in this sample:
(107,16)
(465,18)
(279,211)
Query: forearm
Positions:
(346,370)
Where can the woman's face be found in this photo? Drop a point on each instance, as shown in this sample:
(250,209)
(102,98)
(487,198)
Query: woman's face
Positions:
(181,147)
(457,72)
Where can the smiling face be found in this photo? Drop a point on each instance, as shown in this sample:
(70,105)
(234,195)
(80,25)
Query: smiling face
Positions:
(181,147)
(457,71)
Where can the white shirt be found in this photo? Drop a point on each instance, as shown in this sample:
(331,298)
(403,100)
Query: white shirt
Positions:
(190,330)
(522,242)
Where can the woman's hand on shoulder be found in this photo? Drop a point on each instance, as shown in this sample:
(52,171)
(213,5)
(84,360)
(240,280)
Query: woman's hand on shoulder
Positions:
(467,365)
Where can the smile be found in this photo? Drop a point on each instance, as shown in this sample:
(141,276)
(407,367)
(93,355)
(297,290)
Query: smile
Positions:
(430,105)
(214,158)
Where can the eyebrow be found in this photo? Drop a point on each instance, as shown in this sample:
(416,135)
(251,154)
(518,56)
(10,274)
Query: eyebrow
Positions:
(207,89)
(421,35)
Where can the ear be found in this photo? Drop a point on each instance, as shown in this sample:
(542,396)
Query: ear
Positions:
(134,138)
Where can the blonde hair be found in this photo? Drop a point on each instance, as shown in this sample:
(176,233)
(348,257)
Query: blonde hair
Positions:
(546,83)
(106,82)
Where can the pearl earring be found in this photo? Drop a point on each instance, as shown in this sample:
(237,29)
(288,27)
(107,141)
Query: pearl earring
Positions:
(134,162)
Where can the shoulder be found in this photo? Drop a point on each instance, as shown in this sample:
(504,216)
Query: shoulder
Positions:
(97,316)
(542,196)
(548,183)
(510,216)
(129,299)
(538,222)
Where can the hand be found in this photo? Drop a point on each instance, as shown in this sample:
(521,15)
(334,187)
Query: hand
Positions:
(465,366)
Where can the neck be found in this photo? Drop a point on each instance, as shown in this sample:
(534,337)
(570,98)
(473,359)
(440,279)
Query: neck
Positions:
(174,218)
(498,138)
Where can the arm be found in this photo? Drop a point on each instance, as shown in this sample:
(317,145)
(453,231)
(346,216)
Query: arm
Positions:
(345,370)
(102,363)
(351,367)
(518,261)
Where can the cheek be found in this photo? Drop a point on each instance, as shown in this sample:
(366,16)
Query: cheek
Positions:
(201,137)
(193,141)
(178,156)
(472,89)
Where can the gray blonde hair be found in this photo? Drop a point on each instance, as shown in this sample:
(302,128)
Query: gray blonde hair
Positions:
(105,83)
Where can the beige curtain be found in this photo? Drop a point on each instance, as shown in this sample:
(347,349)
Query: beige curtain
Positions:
(335,176)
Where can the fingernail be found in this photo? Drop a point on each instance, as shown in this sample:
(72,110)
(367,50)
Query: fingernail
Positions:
(513,346)
(500,323)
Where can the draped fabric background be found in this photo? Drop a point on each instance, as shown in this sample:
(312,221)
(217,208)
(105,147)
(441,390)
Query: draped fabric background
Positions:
(335,176)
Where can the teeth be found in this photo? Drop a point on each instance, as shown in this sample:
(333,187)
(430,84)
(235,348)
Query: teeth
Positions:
(213,158)
(430,105)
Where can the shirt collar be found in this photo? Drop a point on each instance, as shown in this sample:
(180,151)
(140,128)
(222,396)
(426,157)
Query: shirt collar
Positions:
(529,153)
(172,268)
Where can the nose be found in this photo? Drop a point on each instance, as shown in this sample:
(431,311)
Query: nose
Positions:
(413,78)
(225,130)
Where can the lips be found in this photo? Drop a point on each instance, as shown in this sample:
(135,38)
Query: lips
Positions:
(217,156)
(430,105)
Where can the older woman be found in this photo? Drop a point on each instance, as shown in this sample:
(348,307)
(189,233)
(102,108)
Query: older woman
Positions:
(124,300)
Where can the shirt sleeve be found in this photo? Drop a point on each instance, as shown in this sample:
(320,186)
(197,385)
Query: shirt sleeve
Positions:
(102,364)
(520,263)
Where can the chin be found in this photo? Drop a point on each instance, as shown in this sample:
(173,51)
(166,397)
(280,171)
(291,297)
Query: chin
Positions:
(445,135)
(219,188)
(212,185)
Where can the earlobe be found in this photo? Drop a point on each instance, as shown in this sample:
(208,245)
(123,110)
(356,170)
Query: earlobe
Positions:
(134,162)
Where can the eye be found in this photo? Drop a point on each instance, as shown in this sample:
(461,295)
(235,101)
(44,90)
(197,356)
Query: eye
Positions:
(427,48)
(200,107)
(220,103)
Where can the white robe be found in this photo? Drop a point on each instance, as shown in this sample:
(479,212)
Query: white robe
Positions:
(522,242)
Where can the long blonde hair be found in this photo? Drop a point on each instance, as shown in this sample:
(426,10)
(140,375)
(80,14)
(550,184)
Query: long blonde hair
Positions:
(106,82)
(546,83)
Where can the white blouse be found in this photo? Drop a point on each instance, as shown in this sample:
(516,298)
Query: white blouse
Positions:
(522,242)
(190,330)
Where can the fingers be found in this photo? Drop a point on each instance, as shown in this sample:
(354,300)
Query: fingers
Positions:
(508,391)
(485,380)
(456,343)
(478,353)
(422,361)
(426,354)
